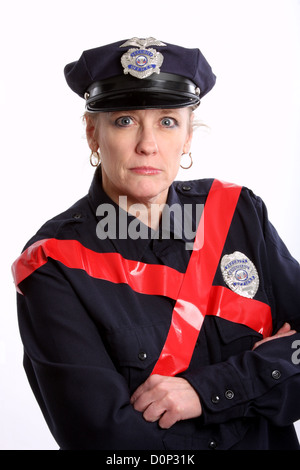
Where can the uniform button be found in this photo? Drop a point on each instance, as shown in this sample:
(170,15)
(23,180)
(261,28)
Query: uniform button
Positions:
(212,444)
(77,216)
(276,374)
(186,188)
(142,355)
(215,399)
(229,394)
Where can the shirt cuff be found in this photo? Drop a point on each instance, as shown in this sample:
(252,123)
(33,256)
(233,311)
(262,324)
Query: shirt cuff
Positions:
(222,394)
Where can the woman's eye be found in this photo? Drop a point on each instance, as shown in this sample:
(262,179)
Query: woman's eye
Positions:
(168,122)
(124,121)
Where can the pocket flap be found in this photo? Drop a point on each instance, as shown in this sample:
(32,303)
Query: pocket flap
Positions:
(230,331)
(137,347)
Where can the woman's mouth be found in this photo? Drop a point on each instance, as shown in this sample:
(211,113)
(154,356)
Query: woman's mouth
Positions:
(146,170)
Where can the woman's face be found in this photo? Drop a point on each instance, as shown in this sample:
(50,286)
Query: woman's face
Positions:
(141,151)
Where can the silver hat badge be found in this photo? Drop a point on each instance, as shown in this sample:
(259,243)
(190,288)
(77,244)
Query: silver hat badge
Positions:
(141,62)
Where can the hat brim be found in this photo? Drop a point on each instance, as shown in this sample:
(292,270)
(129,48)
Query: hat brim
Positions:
(125,93)
(140,100)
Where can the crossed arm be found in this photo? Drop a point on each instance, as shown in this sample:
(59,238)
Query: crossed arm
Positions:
(171,399)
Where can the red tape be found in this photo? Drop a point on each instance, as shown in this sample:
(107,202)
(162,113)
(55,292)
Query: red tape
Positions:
(151,279)
(193,291)
(191,305)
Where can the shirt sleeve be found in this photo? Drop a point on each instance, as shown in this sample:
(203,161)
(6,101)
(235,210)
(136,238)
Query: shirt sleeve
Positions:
(84,399)
(264,382)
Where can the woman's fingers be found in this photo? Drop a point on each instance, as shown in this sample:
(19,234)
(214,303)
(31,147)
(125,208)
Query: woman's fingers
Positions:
(167,400)
(285,330)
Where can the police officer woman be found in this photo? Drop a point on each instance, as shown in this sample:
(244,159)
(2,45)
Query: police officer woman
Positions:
(145,327)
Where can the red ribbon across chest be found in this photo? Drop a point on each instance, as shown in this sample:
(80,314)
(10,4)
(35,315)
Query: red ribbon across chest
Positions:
(197,296)
(193,291)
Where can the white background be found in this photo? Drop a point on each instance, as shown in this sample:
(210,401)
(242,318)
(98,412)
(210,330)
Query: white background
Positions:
(253,113)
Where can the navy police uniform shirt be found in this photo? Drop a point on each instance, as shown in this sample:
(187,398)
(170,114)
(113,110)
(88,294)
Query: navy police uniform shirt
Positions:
(90,342)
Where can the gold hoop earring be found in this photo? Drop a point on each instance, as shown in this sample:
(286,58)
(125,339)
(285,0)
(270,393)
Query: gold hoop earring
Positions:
(95,158)
(187,167)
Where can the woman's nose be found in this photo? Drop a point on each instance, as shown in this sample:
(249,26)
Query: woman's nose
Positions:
(147,144)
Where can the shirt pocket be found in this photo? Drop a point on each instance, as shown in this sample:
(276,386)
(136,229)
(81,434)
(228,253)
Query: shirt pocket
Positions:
(135,351)
(234,338)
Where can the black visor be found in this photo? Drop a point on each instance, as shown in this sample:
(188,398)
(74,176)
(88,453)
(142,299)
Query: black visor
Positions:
(122,92)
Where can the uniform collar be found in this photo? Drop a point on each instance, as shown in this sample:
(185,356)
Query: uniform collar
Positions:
(127,246)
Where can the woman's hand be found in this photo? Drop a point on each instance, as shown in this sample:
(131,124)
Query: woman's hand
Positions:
(166,400)
(285,330)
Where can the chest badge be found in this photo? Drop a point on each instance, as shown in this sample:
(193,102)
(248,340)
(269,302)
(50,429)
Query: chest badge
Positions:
(142,62)
(240,274)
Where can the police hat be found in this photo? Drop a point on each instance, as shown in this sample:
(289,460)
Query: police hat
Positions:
(140,74)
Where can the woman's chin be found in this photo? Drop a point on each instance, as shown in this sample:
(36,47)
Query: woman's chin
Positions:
(148,193)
